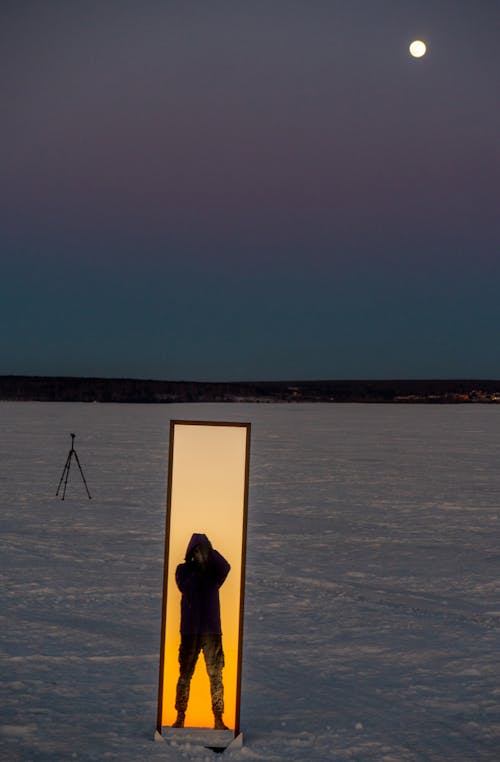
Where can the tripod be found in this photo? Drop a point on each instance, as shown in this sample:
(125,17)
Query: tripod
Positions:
(66,468)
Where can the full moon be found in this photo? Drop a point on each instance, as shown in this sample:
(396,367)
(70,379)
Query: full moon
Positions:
(418,48)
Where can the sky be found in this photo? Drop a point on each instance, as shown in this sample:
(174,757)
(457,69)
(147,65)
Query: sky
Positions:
(250,190)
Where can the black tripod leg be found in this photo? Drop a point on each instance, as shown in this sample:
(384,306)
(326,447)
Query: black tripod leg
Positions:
(81,471)
(64,473)
(67,474)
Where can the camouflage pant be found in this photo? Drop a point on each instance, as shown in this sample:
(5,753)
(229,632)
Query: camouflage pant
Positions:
(189,650)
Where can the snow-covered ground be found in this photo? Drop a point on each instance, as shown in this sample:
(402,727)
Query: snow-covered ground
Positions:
(373,582)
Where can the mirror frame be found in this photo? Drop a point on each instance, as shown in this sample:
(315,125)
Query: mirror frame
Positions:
(163,677)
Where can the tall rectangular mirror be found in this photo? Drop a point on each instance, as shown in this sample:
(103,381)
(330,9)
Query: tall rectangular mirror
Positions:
(204,576)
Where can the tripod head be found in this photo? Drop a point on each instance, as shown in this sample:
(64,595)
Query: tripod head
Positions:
(72,441)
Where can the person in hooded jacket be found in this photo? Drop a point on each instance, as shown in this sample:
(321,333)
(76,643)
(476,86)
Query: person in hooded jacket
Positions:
(199,579)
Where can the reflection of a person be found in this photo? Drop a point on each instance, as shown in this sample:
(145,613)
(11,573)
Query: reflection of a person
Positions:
(199,579)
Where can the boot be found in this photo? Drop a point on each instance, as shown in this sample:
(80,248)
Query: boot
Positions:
(179,723)
(219,722)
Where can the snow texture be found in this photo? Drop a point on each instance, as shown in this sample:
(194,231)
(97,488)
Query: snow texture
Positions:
(372,627)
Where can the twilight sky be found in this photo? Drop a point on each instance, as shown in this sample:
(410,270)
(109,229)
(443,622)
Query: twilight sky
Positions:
(250,190)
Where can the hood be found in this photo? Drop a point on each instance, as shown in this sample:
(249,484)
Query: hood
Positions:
(197,539)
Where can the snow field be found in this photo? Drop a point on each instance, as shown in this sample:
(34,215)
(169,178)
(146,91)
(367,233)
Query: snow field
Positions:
(372,627)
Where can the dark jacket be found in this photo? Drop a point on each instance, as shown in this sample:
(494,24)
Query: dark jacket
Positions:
(200,605)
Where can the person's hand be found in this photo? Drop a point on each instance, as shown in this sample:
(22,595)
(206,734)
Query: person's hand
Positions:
(201,555)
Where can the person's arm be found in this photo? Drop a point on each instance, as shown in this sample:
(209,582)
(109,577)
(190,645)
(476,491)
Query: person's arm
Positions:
(187,577)
(220,567)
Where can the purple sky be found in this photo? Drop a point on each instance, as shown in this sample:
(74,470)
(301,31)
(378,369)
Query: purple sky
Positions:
(250,190)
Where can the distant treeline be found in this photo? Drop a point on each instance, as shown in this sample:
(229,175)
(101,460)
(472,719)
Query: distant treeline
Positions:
(68,389)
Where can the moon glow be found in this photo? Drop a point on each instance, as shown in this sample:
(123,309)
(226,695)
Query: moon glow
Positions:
(418,49)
